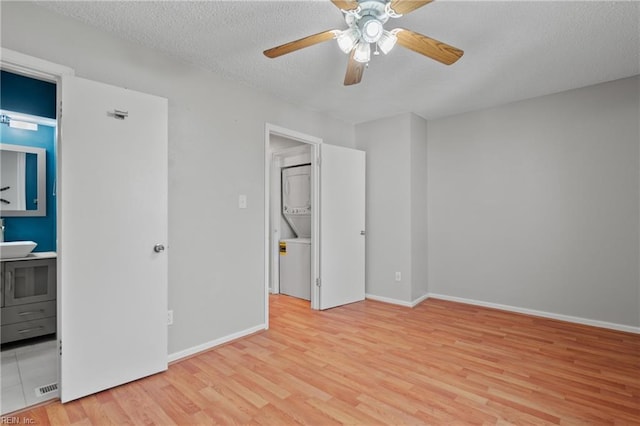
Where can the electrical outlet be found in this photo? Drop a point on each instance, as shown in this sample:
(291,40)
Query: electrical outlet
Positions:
(169,317)
(242,201)
(398,276)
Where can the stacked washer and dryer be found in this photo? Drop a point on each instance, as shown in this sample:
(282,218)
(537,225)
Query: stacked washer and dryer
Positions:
(295,253)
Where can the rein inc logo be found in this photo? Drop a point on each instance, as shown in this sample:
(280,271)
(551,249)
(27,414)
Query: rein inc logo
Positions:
(16,420)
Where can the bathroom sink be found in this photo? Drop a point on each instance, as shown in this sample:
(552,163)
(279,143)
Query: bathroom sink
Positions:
(15,249)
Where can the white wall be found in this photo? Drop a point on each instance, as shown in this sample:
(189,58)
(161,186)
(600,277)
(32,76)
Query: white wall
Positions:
(216,151)
(536,204)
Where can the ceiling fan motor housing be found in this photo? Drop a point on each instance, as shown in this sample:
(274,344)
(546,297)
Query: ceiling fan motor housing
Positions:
(369,19)
(370,15)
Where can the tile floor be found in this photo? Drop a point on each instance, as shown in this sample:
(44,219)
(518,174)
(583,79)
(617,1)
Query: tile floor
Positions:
(25,368)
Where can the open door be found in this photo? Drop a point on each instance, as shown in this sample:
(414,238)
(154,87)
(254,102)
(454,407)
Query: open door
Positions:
(113,225)
(342,226)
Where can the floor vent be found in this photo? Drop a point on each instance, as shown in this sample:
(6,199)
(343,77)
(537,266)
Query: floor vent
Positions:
(47,389)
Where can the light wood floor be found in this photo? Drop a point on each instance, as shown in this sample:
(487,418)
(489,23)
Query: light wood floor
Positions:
(374,363)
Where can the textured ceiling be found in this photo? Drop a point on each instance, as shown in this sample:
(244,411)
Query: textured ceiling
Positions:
(513,50)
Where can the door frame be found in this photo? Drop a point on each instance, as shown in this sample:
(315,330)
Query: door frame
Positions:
(314,142)
(41,69)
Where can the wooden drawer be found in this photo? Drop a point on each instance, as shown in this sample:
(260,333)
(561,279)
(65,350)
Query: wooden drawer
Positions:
(27,329)
(28,312)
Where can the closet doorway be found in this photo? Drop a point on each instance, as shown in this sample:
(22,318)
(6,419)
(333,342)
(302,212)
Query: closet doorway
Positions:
(337,180)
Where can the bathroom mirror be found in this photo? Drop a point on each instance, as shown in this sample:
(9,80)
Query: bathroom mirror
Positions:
(23,177)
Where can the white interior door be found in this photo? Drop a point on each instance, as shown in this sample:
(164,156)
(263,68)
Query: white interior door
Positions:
(342,226)
(112,212)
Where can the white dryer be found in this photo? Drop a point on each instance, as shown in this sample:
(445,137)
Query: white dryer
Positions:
(296,199)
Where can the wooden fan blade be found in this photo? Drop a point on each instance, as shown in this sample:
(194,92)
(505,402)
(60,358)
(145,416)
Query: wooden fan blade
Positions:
(300,44)
(355,70)
(405,6)
(345,4)
(426,46)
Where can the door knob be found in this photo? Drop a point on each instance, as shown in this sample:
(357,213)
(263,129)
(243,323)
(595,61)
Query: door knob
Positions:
(158,248)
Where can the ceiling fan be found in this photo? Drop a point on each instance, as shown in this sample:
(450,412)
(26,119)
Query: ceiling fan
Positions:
(365,20)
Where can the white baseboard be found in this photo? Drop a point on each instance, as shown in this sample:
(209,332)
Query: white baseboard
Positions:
(568,318)
(208,345)
(411,304)
(578,320)
(419,300)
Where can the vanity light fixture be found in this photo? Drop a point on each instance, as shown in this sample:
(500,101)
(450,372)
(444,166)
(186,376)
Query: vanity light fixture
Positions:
(23,125)
(17,124)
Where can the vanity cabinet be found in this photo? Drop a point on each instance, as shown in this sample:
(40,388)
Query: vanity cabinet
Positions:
(28,299)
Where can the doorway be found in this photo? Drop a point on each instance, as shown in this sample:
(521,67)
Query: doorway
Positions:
(29,348)
(337,217)
(287,148)
(99,327)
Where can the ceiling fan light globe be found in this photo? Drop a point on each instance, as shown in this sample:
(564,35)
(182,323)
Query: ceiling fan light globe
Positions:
(371,29)
(387,41)
(362,53)
(347,39)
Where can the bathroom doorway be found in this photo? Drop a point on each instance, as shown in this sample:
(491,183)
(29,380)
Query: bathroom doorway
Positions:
(97,136)
(28,150)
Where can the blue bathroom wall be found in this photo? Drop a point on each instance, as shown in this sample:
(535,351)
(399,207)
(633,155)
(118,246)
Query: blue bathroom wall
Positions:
(31,181)
(34,97)
(27,95)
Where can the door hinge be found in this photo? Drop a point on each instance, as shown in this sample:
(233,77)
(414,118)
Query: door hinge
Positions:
(318,161)
(318,282)
(60,347)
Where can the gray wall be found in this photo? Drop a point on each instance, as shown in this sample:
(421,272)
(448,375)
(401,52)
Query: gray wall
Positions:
(216,151)
(419,235)
(388,216)
(536,204)
(396,150)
